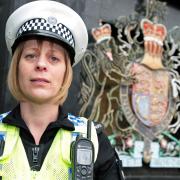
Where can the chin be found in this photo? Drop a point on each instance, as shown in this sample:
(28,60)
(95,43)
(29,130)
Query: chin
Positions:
(39,99)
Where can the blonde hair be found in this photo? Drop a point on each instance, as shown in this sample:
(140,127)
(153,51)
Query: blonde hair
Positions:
(13,82)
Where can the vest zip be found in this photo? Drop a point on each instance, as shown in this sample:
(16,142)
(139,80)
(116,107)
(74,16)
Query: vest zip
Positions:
(35,154)
(35,158)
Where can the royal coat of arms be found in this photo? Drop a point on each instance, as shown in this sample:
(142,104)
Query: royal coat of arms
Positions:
(131,84)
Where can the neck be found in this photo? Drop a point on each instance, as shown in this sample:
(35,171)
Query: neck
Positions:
(38,117)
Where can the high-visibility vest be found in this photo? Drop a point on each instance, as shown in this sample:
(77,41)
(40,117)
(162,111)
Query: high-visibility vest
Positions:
(56,166)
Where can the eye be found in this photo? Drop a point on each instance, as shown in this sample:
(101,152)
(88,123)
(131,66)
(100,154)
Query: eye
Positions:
(30,56)
(54,58)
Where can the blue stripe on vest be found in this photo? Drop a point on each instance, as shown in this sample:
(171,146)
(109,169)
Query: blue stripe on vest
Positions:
(77,121)
(2,116)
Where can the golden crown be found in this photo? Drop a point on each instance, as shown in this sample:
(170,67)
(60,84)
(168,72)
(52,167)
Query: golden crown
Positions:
(101,33)
(153,32)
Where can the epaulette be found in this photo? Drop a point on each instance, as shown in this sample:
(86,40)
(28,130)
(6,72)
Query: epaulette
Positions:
(76,120)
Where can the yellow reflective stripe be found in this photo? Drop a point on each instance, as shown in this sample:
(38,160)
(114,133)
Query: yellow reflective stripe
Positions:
(65,145)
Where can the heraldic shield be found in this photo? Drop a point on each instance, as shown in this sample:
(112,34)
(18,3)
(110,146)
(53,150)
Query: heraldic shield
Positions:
(150,101)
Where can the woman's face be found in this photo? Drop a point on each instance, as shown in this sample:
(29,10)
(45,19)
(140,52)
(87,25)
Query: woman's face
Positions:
(41,70)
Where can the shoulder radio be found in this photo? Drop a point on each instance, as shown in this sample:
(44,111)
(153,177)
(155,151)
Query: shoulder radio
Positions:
(82,156)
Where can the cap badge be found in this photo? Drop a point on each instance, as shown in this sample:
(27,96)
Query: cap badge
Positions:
(52,20)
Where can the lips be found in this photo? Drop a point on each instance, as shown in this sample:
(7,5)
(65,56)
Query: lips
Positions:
(40,80)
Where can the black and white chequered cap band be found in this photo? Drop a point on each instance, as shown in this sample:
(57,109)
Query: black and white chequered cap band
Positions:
(40,24)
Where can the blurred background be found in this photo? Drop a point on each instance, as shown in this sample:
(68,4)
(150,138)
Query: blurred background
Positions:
(91,11)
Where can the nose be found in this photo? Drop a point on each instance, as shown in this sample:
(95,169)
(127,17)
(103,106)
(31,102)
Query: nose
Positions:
(41,64)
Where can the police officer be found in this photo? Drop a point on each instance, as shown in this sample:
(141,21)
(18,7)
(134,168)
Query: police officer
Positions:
(45,38)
